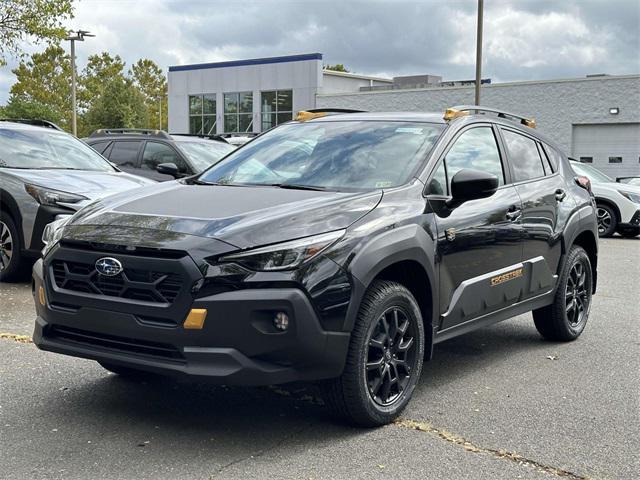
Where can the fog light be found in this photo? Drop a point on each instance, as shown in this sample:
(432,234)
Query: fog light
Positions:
(41,297)
(281,321)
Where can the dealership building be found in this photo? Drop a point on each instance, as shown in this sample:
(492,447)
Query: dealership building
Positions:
(595,119)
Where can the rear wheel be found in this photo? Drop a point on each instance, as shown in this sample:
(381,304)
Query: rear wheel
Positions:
(12,265)
(607,220)
(565,319)
(384,360)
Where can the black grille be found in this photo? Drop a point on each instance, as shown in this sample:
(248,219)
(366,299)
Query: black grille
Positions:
(133,284)
(112,342)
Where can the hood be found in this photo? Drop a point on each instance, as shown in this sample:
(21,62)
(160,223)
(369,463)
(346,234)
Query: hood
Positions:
(83,182)
(244,217)
(625,187)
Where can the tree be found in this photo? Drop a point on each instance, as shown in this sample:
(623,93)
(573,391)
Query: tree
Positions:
(20,107)
(101,69)
(338,67)
(35,20)
(120,105)
(43,81)
(150,80)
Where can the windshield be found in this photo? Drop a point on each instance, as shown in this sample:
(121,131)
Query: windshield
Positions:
(594,175)
(333,155)
(48,149)
(204,154)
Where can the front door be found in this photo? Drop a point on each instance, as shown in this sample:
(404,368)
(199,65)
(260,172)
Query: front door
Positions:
(479,244)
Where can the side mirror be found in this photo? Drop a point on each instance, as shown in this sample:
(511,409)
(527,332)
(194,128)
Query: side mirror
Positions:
(470,184)
(168,169)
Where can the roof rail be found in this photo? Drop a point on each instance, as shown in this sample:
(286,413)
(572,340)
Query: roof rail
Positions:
(462,110)
(304,115)
(238,134)
(105,132)
(212,136)
(37,122)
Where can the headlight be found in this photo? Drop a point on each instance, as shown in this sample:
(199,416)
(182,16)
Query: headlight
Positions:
(634,197)
(284,256)
(50,197)
(53,232)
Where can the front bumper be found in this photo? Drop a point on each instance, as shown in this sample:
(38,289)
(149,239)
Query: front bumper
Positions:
(238,344)
(633,225)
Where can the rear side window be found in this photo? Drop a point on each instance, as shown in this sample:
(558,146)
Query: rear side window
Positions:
(100,147)
(523,156)
(548,168)
(125,154)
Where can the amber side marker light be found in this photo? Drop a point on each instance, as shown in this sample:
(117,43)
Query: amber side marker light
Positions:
(41,297)
(195,319)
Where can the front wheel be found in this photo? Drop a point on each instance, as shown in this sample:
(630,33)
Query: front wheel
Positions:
(607,220)
(384,360)
(565,319)
(12,265)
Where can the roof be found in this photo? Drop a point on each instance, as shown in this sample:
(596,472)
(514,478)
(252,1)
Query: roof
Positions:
(243,63)
(355,75)
(27,126)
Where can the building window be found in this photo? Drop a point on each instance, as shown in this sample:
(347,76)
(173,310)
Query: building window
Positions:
(238,112)
(277,108)
(202,114)
(615,159)
(586,159)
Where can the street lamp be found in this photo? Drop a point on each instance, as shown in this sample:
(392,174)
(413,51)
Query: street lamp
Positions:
(479,51)
(73,37)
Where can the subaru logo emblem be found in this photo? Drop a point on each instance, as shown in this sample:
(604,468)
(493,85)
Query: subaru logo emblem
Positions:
(108,266)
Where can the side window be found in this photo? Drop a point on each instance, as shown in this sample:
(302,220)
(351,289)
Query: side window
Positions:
(100,147)
(523,156)
(438,183)
(475,149)
(125,154)
(546,163)
(156,153)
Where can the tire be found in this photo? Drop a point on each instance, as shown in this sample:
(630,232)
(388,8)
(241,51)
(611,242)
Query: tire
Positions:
(565,319)
(12,262)
(125,372)
(607,220)
(370,397)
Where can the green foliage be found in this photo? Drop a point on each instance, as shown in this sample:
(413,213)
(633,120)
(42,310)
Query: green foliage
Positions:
(120,105)
(107,96)
(44,81)
(34,20)
(338,67)
(151,82)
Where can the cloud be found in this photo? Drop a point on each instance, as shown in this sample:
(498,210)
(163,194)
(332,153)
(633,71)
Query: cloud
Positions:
(524,39)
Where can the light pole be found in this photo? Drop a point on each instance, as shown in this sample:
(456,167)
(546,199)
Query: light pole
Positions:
(479,51)
(73,37)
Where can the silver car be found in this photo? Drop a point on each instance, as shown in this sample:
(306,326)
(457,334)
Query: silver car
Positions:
(46,174)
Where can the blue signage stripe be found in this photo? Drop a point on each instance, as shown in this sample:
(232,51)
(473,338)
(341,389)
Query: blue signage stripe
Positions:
(253,61)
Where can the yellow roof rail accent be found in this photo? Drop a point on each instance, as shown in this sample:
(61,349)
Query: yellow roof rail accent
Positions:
(529,122)
(303,115)
(451,113)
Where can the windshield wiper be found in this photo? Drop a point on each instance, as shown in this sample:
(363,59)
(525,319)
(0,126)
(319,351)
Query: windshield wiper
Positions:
(296,186)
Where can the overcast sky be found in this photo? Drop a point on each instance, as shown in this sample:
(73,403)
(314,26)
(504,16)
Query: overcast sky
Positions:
(523,39)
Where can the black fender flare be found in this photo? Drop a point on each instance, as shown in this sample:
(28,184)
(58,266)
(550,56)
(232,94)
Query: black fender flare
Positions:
(582,220)
(409,242)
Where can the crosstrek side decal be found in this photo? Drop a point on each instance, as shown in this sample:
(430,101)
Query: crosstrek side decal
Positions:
(505,277)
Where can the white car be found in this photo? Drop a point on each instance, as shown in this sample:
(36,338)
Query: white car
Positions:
(618,203)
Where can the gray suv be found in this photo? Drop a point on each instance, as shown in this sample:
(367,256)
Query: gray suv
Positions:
(46,174)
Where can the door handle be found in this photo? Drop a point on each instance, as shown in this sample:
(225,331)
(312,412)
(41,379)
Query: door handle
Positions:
(560,194)
(513,213)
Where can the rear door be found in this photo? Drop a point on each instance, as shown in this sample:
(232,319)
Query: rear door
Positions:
(545,203)
(126,155)
(479,243)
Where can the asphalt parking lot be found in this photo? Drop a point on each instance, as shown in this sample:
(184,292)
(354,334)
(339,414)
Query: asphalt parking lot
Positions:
(497,403)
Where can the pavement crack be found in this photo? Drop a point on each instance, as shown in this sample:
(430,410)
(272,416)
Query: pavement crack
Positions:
(16,338)
(260,453)
(497,453)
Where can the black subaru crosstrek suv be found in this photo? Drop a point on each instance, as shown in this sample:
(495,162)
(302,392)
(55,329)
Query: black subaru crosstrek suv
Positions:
(337,248)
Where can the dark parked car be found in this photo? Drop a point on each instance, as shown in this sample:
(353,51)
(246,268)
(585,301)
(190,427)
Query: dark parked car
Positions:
(156,154)
(337,248)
